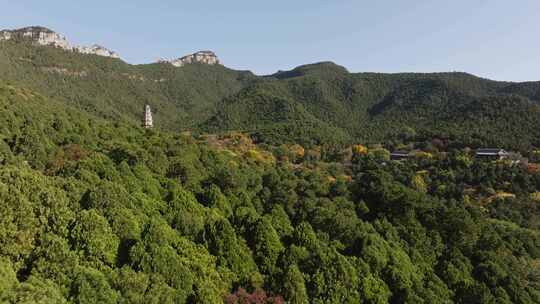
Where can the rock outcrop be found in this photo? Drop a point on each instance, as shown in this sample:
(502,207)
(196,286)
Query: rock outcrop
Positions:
(44,36)
(97,50)
(38,34)
(205,57)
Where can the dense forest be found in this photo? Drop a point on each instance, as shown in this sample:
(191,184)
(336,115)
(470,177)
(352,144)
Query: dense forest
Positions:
(317,104)
(277,189)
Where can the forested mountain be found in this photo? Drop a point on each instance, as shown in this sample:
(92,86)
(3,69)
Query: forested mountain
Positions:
(95,211)
(371,107)
(314,104)
(113,89)
(302,206)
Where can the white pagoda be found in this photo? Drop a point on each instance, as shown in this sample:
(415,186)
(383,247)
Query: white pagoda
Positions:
(147,122)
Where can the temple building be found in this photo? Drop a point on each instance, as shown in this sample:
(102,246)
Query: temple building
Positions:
(147,122)
(492,153)
(400,155)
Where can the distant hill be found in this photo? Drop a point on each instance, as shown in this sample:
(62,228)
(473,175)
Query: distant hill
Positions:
(370,107)
(314,104)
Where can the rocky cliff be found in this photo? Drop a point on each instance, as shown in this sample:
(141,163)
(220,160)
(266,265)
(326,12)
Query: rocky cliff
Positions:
(206,57)
(44,36)
(97,50)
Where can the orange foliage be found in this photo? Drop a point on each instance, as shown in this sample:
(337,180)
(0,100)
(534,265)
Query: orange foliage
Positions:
(75,152)
(297,150)
(533,168)
(68,154)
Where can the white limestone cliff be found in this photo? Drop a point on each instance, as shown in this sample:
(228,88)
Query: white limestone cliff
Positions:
(205,57)
(97,50)
(44,36)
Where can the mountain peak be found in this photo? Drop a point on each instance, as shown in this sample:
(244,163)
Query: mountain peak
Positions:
(324,67)
(47,37)
(205,57)
(38,34)
(34,28)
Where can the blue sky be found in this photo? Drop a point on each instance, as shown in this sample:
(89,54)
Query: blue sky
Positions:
(497,39)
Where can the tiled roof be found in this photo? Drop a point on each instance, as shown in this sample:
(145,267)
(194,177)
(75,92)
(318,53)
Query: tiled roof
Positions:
(490,151)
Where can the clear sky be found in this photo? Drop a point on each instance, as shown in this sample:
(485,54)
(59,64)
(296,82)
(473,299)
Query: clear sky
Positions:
(497,39)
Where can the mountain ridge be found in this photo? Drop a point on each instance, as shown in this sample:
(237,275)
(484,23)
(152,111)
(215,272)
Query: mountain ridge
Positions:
(210,57)
(313,104)
(47,37)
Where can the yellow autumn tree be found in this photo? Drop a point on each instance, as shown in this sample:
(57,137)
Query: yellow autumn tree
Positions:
(423,155)
(418,183)
(535,196)
(296,152)
(359,149)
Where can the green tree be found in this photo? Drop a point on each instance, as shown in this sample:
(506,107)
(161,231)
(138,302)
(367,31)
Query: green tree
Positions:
(374,290)
(294,286)
(94,238)
(8,279)
(267,246)
(91,286)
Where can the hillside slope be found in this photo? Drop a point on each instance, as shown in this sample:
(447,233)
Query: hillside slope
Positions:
(316,104)
(94,211)
(369,107)
(113,89)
